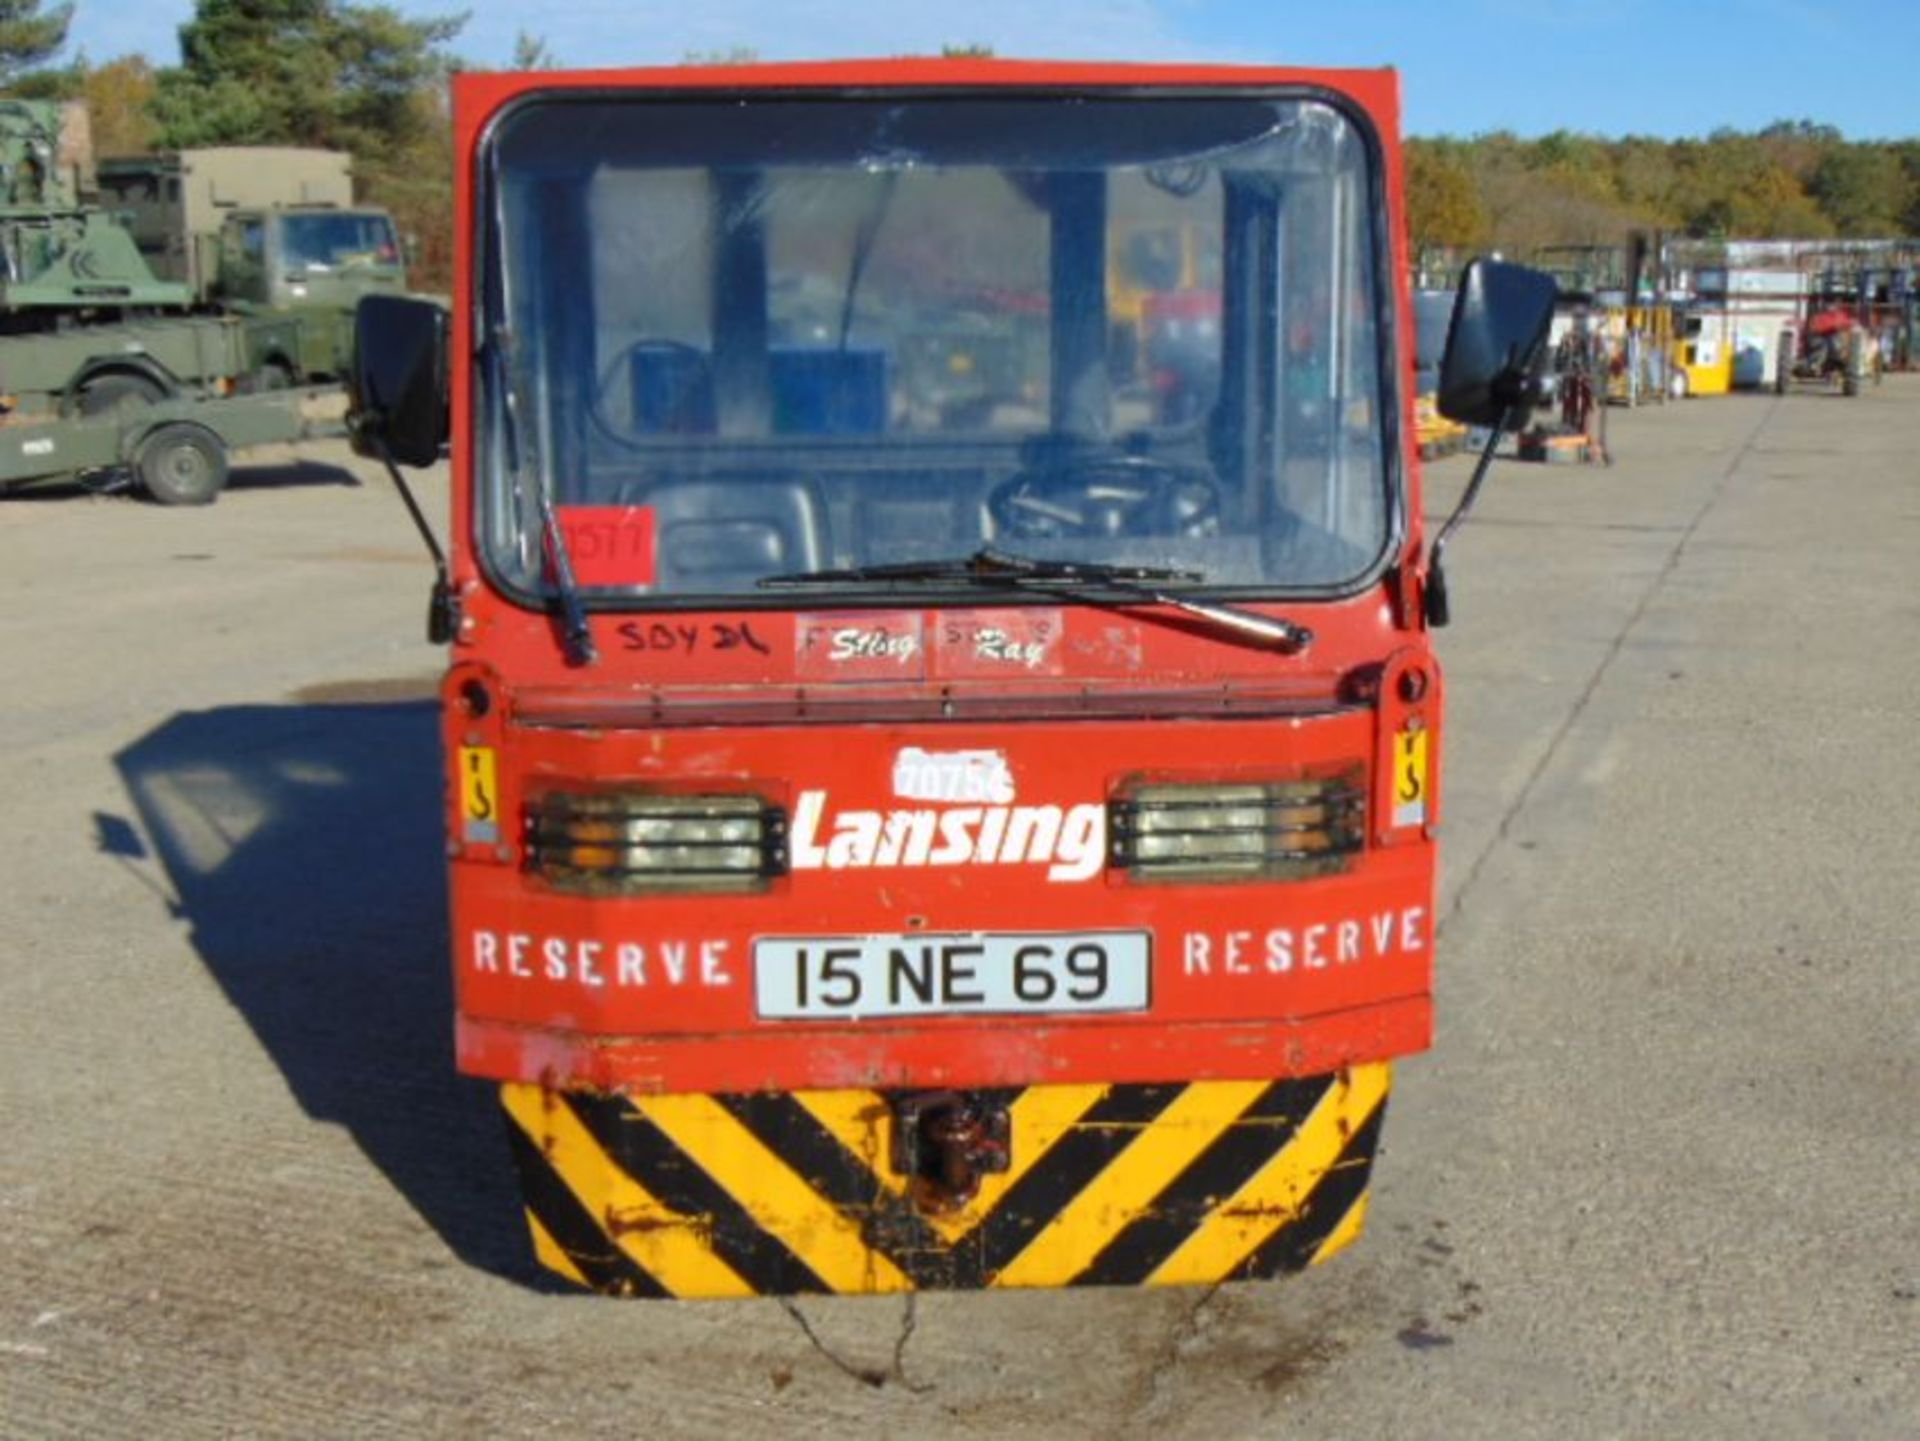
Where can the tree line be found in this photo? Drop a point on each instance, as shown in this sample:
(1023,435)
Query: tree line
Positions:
(1793,180)
(365,79)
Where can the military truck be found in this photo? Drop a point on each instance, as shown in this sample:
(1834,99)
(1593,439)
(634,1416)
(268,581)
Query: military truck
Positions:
(107,367)
(201,272)
(262,231)
(86,327)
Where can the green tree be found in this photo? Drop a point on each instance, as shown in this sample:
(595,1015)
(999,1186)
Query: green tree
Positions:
(29,36)
(119,98)
(56,82)
(1735,186)
(1908,152)
(530,53)
(1575,165)
(1537,197)
(1443,205)
(1799,146)
(1644,177)
(1863,189)
(392,75)
(417,186)
(303,72)
(1795,179)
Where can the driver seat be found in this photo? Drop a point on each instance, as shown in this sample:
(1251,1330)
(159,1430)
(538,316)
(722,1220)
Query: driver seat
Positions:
(724,533)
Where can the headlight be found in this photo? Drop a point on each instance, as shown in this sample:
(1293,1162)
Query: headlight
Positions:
(637,842)
(1272,830)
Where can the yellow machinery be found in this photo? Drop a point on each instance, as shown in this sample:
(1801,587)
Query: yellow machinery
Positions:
(1437,436)
(1640,346)
(1702,354)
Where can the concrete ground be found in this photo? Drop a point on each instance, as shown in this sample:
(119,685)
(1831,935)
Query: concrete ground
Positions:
(1660,1176)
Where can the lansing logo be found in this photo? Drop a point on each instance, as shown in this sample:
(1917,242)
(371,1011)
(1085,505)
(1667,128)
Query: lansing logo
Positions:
(978,826)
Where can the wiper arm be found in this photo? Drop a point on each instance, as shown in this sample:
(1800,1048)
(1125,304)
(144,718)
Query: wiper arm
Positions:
(1268,630)
(573,615)
(987,566)
(576,635)
(1091,582)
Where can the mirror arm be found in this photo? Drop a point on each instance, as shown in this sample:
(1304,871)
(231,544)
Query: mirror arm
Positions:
(1496,305)
(443,608)
(1438,610)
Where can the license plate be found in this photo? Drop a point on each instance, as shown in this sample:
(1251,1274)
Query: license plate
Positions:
(811,978)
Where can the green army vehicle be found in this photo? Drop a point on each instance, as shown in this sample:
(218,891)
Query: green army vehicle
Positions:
(108,367)
(86,327)
(263,232)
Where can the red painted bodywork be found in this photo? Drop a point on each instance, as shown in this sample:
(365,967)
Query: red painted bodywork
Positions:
(743,700)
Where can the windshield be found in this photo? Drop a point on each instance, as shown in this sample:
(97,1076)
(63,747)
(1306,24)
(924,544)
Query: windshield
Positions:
(335,240)
(762,337)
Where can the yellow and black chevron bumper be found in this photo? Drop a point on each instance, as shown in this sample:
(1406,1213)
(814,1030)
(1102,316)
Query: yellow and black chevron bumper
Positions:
(783,1193)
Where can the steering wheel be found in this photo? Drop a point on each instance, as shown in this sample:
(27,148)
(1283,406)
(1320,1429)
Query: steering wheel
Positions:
(1111,496)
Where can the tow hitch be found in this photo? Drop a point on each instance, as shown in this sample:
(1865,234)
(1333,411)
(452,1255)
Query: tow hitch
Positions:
(944,1142)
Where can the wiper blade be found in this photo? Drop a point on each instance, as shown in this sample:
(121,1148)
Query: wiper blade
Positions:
(1090,581)
(576,635)
(987,567)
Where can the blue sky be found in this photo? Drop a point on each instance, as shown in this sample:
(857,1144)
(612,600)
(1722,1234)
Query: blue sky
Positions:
(1682,67)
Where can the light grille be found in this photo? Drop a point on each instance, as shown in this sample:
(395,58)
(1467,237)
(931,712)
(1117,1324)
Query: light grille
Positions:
(621,842)
(1271,830)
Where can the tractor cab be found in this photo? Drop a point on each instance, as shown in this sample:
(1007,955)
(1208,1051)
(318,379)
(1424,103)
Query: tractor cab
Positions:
(942,739)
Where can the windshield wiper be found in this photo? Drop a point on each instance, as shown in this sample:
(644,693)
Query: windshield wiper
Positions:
(575,632)
(1090,581)
(576,635)
(986,566)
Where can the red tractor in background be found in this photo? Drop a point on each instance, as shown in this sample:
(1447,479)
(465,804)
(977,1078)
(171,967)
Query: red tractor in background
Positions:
(1832,347)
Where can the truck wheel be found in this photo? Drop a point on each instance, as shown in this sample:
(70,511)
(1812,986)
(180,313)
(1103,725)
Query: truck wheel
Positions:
(115,395)
(181,464)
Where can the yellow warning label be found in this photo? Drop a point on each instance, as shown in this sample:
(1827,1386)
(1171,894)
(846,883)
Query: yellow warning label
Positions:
(479,793)
(1410,778)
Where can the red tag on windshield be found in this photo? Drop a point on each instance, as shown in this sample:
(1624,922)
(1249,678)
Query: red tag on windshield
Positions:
(610,545)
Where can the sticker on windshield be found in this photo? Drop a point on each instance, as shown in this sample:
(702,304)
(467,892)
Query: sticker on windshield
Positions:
(610,545)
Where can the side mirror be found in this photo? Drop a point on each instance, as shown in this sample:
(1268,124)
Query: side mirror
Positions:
(1489,378)
(1495,344)
(397,414)
(397,384)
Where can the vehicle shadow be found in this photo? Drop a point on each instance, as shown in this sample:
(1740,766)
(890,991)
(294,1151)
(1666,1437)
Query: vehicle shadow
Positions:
(304,848)
(245,475)
(288,474)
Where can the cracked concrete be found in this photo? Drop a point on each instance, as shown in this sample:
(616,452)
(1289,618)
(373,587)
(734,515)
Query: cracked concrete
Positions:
(1656,1175)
